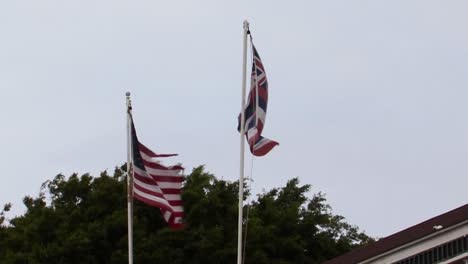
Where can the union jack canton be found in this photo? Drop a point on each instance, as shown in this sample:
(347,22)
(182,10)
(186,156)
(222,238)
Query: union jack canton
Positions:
(255,110)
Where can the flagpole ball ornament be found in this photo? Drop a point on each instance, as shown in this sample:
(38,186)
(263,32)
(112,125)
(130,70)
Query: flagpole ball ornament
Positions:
(129,103)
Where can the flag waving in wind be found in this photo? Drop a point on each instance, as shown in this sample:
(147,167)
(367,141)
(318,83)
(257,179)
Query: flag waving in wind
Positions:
(155,184)
(255,110)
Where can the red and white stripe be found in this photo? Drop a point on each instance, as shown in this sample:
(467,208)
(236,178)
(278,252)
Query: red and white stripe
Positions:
(159,186)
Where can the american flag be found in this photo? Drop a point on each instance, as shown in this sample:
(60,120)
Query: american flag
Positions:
(255,110)
(155,184)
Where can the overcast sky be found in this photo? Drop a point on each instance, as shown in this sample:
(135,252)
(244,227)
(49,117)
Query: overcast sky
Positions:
(368,99)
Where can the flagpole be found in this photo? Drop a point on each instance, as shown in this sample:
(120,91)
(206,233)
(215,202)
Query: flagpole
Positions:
(242,140)
(129,181)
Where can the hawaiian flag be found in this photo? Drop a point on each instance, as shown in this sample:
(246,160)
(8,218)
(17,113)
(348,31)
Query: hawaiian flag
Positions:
(255,110)
(155,184)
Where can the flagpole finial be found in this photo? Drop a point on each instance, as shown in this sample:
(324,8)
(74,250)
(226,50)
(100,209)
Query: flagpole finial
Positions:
(129,101)
(246,27)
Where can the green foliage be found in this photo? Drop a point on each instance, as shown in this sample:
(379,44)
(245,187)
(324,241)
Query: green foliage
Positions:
(83,219)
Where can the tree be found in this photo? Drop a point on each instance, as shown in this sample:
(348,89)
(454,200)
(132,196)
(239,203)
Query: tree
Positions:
(82,219)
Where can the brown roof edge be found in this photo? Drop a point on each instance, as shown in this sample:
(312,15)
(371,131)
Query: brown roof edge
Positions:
(403,237)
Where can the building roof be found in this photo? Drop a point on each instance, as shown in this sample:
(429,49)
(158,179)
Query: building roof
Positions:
(403,237)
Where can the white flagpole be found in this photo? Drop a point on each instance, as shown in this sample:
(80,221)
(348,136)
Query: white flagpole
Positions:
(129,181)
(242,140)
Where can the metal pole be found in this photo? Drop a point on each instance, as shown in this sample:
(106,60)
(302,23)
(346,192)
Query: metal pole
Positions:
(242,140)
(129,181)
